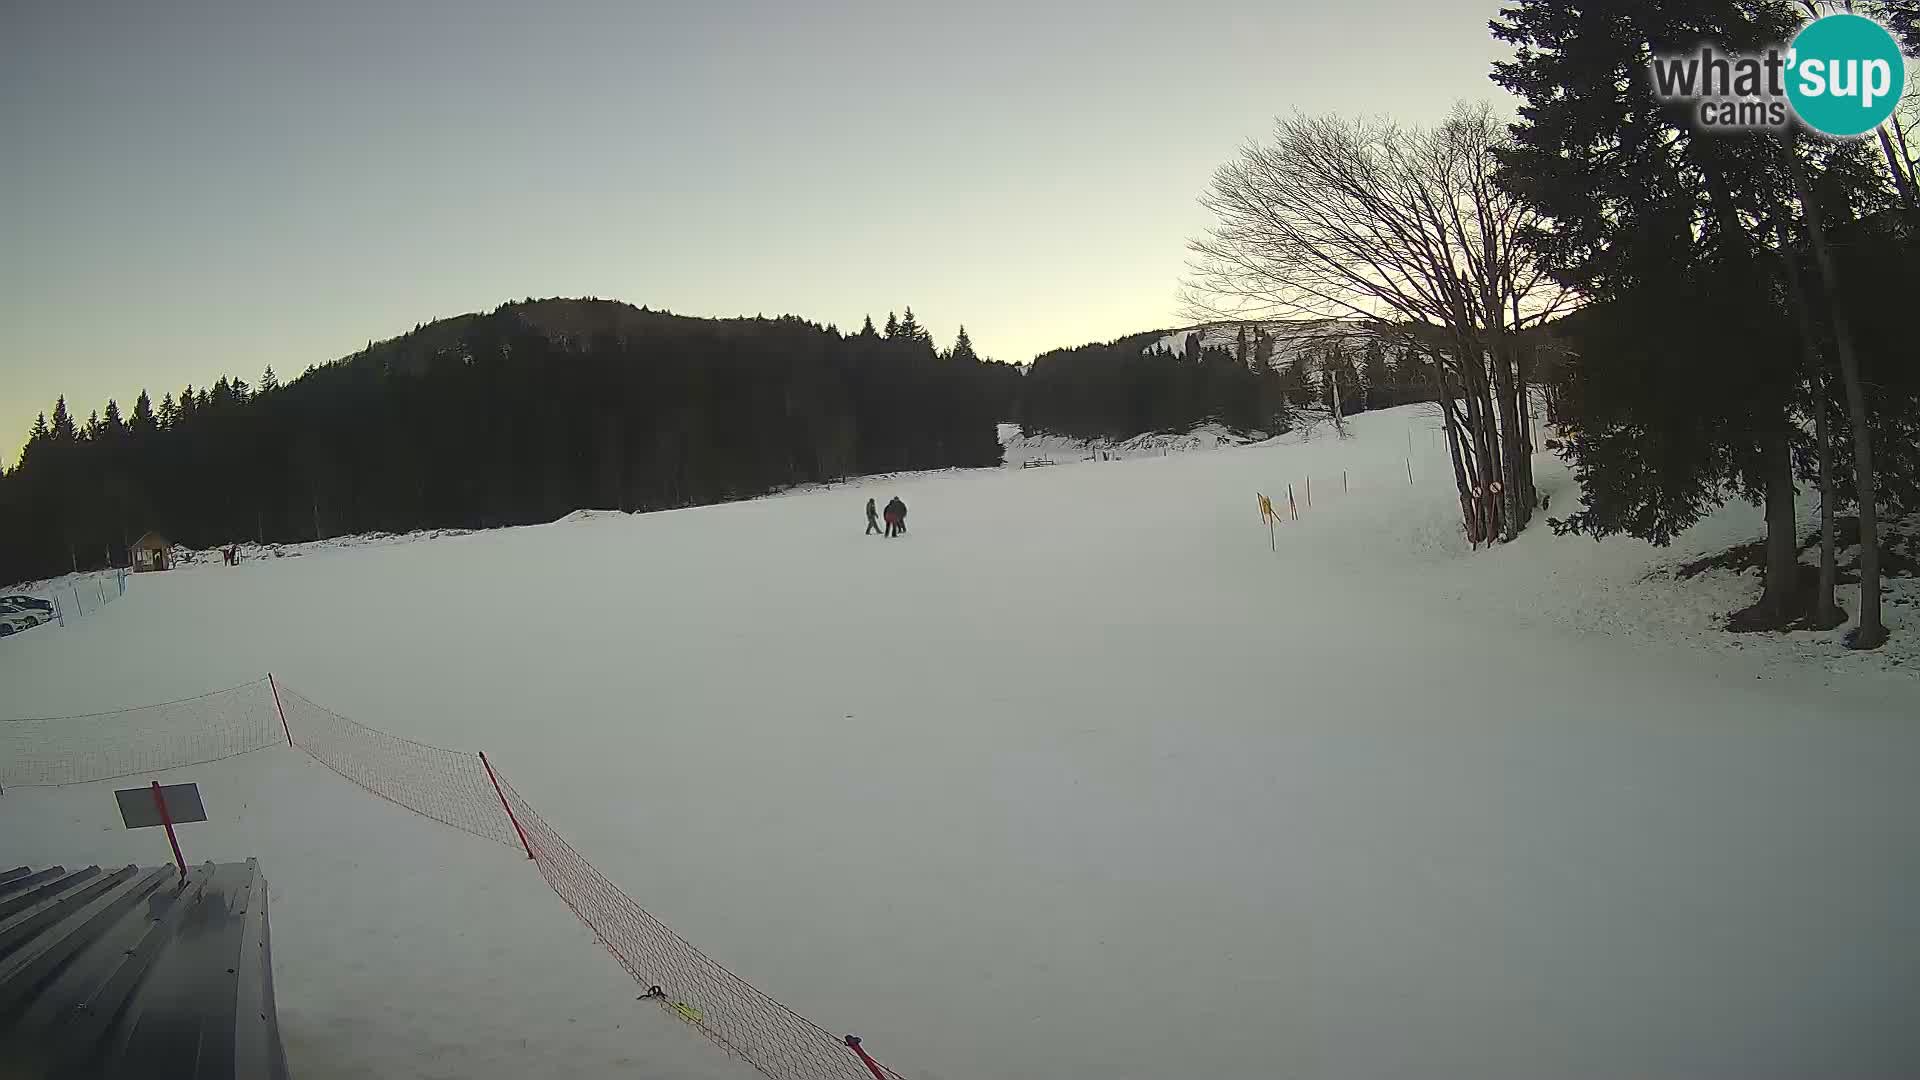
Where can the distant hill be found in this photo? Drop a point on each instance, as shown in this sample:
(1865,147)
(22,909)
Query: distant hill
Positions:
(1253,379)
(575,323)
(1293,338)
(517,415)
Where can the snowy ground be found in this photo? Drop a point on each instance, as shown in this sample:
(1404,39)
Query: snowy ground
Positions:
(1078,779)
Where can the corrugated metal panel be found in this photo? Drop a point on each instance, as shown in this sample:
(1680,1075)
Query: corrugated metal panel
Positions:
(134,972)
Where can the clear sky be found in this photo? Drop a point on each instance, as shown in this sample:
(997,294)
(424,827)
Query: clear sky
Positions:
(189,189)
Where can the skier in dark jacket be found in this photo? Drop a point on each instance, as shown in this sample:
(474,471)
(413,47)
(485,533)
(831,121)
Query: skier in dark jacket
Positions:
(873,519)
(896,516)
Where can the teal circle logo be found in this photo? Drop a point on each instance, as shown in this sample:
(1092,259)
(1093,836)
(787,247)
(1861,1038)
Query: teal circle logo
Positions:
(1845,75)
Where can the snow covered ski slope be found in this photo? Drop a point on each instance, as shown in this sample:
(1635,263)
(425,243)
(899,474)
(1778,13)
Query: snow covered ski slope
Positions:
(1078,779)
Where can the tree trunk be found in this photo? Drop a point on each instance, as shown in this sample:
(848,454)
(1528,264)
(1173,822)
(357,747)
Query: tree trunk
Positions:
(1776,606)
(1513,511)
(1822,611)
(1462,478)
(1463,482)
(1901,180)
(1871,633)
(1485,439)
(1906,156)
(1529,494)
(1339,416)
(1783,555)
(1825,613)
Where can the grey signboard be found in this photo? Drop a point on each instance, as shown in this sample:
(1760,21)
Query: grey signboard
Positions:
(139,811)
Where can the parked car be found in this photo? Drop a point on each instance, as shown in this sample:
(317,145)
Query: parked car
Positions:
(33,616)
(33,602)
(12,622)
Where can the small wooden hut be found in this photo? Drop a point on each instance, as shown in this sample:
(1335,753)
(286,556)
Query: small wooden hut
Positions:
(152,552)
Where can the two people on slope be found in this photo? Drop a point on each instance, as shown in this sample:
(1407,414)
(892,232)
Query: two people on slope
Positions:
(896,515)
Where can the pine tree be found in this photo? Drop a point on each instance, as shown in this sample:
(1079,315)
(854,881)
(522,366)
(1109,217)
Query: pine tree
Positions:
(911,330)
(1240,344)
(63,432)
(963,348)
(269,382)
(1297,384)
(1686,372)
(169,412)
(111,422)
(1373,369)
(893,327)
(141,422)
(1263,352)
(39,434)
(866,328)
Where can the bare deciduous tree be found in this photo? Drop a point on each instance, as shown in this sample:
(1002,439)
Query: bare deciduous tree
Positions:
(1403,229)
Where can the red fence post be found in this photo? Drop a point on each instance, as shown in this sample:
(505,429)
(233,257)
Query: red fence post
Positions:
(167,820)
(503,804)
(275,687)
(853,1043)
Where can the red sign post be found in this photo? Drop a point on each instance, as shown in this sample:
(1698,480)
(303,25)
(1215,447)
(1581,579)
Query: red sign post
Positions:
(160,802)
(164,805)
(853,1043)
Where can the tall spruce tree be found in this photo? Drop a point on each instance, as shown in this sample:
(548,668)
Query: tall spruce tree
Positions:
(1373,370)
(963,348)
(63,431)
(911,330)
(1686,370)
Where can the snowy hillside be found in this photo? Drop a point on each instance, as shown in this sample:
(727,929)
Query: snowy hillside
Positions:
(1087,776)
(1291,337)
(1021,449)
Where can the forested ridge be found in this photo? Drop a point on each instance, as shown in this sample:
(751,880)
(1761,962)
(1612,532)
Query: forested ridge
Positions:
(1265,377)
(510,417)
